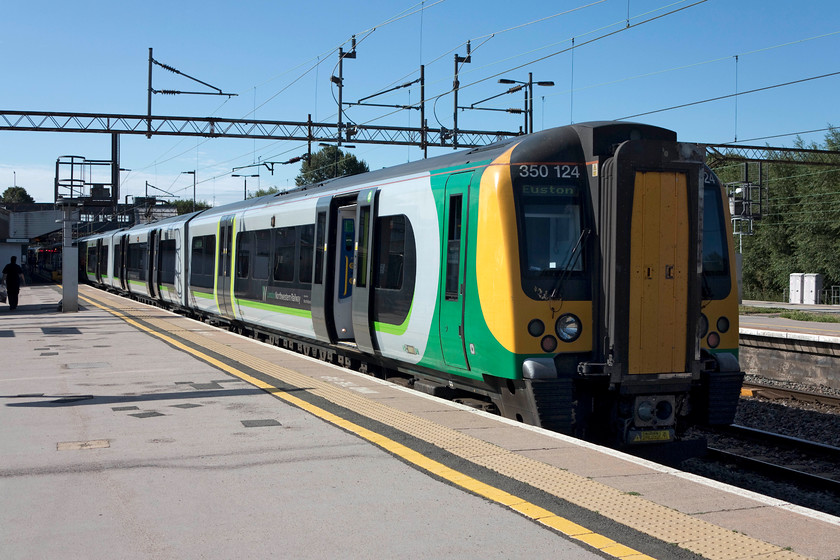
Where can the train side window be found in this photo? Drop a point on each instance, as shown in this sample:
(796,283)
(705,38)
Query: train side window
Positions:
(243,254)
(284,254)
(262,254)
(391,251)
(453,247)
(321,228)
(202,261)
(307,245)
(136,265)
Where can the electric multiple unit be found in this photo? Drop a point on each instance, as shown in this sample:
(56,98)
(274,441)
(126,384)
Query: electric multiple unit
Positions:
(579,279)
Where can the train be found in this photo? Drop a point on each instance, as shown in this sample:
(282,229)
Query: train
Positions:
(580,279)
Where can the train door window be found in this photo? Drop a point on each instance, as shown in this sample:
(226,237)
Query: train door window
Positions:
(321,228)
(91,259)
(284,254)
(364,241)
(307,234)
(391,251)
(103,266)
(243,254)
(117,258)
(453,247)
(262,254)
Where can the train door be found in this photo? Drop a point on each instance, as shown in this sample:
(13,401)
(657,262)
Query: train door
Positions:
(345,239)
(98,269)
(120,249)
(659,276)
(224,257)
(363,279)
(152,265)
(452,282)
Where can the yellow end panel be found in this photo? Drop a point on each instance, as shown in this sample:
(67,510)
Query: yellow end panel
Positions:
(496,252)
(714,310)
(506,309)
(658,274)
(727,307)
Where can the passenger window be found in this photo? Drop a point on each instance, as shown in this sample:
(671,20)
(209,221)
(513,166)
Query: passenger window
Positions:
(284,255)
(307,246)
(391,252)
(262,258)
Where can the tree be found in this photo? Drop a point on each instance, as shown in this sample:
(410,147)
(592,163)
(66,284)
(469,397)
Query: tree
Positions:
(328,163)
(186,206)
(16,195)
(263,192)
(800,226)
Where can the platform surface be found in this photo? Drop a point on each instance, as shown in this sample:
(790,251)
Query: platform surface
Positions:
(197,443)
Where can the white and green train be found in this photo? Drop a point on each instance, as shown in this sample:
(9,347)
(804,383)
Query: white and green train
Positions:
(578,279)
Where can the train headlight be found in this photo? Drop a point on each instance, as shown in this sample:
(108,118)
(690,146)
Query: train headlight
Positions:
(536,327)
(654,411)
(664,411)
(713,340)
(702,326)
(645,411)
(548,343)
(568,327)
(723,324)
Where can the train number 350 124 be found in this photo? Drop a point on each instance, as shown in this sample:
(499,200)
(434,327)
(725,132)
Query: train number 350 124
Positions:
(550,171)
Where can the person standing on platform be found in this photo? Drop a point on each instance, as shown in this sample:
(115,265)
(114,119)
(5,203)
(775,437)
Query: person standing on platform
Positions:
(13,278)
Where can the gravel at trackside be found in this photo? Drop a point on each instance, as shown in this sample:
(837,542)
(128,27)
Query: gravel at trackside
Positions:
(811,421)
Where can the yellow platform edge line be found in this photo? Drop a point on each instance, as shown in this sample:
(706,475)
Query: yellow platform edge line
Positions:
(523,507)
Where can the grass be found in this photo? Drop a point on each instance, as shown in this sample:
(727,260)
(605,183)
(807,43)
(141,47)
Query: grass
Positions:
(793,314)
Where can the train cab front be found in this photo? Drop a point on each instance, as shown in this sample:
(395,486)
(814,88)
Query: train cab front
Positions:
(534,268)
(601,250)
(665,272)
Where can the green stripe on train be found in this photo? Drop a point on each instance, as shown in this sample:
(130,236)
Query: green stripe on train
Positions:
(203,295)
(275,308)
(397,330)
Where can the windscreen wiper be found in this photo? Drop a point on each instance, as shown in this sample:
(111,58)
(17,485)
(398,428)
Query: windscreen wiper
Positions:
(570,263)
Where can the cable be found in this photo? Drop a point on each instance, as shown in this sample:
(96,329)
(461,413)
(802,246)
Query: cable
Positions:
(598,38)
(783,135)
(730,95)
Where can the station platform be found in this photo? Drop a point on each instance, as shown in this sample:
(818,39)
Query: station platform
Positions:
(767,322)
(127,431)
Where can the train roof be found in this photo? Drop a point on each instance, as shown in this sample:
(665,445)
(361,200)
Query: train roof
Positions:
(600,134)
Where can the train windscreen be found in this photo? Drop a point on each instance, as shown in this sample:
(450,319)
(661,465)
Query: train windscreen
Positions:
(716,278)
(551,232)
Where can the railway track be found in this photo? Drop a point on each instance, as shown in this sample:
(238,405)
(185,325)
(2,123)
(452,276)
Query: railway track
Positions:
(801,465)
(788,459)
(781,393)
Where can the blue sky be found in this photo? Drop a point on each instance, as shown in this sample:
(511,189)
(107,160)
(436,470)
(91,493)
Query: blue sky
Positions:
(92,56)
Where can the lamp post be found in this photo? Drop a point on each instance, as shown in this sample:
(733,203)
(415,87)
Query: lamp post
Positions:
(193,174)
(529,98)
(245,194)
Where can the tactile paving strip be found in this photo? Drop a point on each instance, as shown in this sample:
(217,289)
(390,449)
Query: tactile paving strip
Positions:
(701,537)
